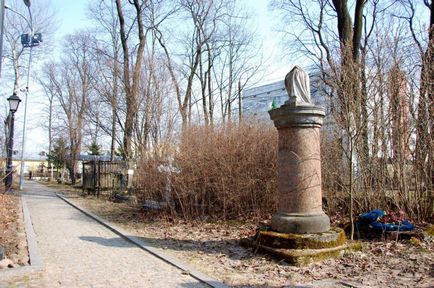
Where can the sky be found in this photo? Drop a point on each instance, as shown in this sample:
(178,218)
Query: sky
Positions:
(71,16)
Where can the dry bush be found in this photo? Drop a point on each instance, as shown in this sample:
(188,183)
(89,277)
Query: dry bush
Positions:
(229,172)
(388,184)
(223,172)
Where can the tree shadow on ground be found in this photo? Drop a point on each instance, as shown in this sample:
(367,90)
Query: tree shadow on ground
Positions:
(187,245)
(229,247)
(117,242)
(39,195)
(190,285)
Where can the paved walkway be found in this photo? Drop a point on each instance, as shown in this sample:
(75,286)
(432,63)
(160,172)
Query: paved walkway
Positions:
(79,252)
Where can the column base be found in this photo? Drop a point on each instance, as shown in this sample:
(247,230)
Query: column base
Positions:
(300,223)
(300,249)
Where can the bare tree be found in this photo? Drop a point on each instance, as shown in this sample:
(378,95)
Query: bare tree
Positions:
(204,15)
(18,23)
(51,89)
(218,49)
(239,60)
(108,60)
(72,85)
(134,60)
(425,110)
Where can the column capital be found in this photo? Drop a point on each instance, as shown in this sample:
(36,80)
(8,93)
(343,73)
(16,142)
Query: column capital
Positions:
(297,116)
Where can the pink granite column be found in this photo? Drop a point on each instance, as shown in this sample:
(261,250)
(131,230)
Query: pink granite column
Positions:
(299,170)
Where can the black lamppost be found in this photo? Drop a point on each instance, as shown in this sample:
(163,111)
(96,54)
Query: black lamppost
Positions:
(14,102)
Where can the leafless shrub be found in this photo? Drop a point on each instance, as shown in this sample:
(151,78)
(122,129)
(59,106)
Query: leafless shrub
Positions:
(220,172)
(229,172)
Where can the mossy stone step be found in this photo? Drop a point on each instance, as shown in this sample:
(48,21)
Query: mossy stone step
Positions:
(301,257)
(333,238)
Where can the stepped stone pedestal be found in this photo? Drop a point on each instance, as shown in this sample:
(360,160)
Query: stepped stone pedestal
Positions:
(300,230)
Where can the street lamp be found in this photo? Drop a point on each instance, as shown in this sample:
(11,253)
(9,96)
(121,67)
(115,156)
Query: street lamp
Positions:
(14,102)
(28,40)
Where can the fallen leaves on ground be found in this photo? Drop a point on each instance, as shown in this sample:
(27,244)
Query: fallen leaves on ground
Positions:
(214,249)
(12,234)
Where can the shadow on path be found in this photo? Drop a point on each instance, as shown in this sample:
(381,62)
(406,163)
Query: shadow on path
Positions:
(230,247)
(108,242)
(46,195)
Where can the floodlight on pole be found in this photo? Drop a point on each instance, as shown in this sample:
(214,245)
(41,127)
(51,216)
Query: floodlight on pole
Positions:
(27,3)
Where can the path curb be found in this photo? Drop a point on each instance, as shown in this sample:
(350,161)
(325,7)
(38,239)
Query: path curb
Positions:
(32,244)
(154,251)
(35,260)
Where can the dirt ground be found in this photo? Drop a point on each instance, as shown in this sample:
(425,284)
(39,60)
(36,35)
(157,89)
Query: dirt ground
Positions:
(12,233)
(214,249)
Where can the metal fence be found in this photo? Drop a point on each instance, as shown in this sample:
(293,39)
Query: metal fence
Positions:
(99,176)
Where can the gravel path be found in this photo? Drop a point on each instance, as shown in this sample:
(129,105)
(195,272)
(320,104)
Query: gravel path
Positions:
(79,252)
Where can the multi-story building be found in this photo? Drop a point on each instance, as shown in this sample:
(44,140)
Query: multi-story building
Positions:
(257,101)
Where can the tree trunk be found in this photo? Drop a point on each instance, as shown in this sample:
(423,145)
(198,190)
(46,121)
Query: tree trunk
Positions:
(131,89)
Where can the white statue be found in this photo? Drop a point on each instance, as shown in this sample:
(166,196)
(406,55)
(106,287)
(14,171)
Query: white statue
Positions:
(298,87)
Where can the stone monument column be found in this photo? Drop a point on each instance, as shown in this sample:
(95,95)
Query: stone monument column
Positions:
(299,162)
(300,230)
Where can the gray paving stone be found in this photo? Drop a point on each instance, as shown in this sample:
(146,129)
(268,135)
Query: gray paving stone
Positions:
(79,252)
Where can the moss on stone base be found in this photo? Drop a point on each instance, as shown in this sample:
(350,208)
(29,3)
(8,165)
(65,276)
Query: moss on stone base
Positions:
(301,249)
(430,231)
(333,238)
(301,257)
